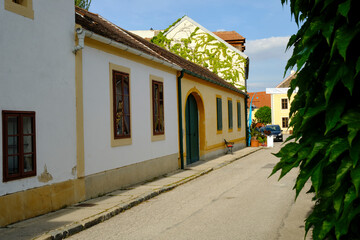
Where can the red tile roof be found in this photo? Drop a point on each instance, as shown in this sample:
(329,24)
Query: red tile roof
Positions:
(261,99)
(229,35)
(232,38)
(99,25)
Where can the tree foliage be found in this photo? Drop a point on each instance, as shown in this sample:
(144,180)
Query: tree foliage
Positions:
(263,115)
(85,4)
(325,114)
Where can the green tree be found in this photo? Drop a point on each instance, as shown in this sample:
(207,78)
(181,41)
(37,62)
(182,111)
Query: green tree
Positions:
(263,115)
(85,4)
(326,114)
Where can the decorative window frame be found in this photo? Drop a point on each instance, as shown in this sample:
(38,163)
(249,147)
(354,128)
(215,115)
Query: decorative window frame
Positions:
(23,7)
(115,142)
(219,120)
(159,136)
(287,103)
(230,108)
(20,144)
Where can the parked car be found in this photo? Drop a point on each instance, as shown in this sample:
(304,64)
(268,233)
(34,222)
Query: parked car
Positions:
(274,131)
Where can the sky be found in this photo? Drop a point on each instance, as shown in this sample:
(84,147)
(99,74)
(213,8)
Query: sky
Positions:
(266,24)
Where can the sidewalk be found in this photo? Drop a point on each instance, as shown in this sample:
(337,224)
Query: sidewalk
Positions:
(78,217)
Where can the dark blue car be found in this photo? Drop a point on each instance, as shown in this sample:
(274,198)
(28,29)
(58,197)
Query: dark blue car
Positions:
(274,131)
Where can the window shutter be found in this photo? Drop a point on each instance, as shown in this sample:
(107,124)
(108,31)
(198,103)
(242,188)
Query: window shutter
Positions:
(239,115)
(230,115)
(219,113)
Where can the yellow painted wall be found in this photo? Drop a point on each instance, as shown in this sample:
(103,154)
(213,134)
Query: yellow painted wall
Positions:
(33,202)
(205,94)
(279,113)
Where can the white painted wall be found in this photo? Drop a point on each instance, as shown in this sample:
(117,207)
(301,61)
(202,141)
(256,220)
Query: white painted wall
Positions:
(37,72)
(99,155)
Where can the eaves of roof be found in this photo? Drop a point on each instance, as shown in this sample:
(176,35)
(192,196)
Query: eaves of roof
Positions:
(95,24)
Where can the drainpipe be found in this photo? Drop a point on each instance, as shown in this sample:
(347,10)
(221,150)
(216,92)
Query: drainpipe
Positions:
(247,72)
(246,122)
(246,101)
(81,36)
(180,119)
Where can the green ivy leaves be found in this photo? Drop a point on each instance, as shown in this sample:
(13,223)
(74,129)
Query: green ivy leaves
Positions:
(325,114)
(204,50)
(85,4)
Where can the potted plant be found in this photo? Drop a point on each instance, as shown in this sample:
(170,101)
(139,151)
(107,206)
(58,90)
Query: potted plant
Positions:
(255,133)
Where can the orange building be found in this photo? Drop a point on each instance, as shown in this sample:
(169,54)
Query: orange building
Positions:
(261,99)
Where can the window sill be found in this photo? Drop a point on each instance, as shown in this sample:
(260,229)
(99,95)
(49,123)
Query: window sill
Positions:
(155,138)
(25,11)
(121,142)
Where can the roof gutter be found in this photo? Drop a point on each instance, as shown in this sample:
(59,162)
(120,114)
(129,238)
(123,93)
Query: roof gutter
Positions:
(121,46)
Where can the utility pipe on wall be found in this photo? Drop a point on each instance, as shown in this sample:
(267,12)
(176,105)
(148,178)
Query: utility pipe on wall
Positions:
(180,120)
(81,36)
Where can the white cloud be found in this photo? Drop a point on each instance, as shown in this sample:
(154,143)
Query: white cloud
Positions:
(267,48)
(267,62)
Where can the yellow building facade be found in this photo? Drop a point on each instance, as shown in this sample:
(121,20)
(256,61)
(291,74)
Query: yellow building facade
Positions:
(232,116)
(280,108)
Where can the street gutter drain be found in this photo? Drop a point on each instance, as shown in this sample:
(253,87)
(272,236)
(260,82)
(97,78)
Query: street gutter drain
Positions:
(85,205)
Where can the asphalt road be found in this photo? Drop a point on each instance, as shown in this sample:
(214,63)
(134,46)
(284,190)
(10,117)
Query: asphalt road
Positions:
(237,201)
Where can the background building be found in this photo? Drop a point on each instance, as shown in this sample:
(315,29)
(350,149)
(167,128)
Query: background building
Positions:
(280,103)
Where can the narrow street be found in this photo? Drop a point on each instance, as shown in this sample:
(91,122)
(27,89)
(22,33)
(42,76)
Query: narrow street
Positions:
(237,201)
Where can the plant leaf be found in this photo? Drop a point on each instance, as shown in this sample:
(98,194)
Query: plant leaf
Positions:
(355,178)
(355,151)
(344,8)
(343,36)
(316,177)
(345,166)
(337,147)
(333,113)
(357,66)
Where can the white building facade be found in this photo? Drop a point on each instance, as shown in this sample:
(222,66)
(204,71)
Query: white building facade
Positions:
(112,163)
(37,102)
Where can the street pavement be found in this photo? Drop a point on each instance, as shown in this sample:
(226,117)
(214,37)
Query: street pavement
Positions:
(238,201)
(82,216)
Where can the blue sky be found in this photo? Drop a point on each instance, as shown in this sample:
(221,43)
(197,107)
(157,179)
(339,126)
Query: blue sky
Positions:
(266,25)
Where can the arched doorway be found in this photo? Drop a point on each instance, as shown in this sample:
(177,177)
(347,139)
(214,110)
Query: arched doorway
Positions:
(192,130)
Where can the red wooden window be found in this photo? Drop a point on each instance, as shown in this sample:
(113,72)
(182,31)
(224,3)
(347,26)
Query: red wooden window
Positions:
(158,107)
(19,152)
(121,102)
(284,103)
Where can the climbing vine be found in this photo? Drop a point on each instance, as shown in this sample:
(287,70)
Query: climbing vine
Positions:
(85,4)
(205,50)
(325,115)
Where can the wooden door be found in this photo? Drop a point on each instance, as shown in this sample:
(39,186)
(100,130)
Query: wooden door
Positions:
(192,130)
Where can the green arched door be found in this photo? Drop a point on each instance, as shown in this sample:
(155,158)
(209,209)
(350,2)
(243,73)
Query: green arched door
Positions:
(192,130)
